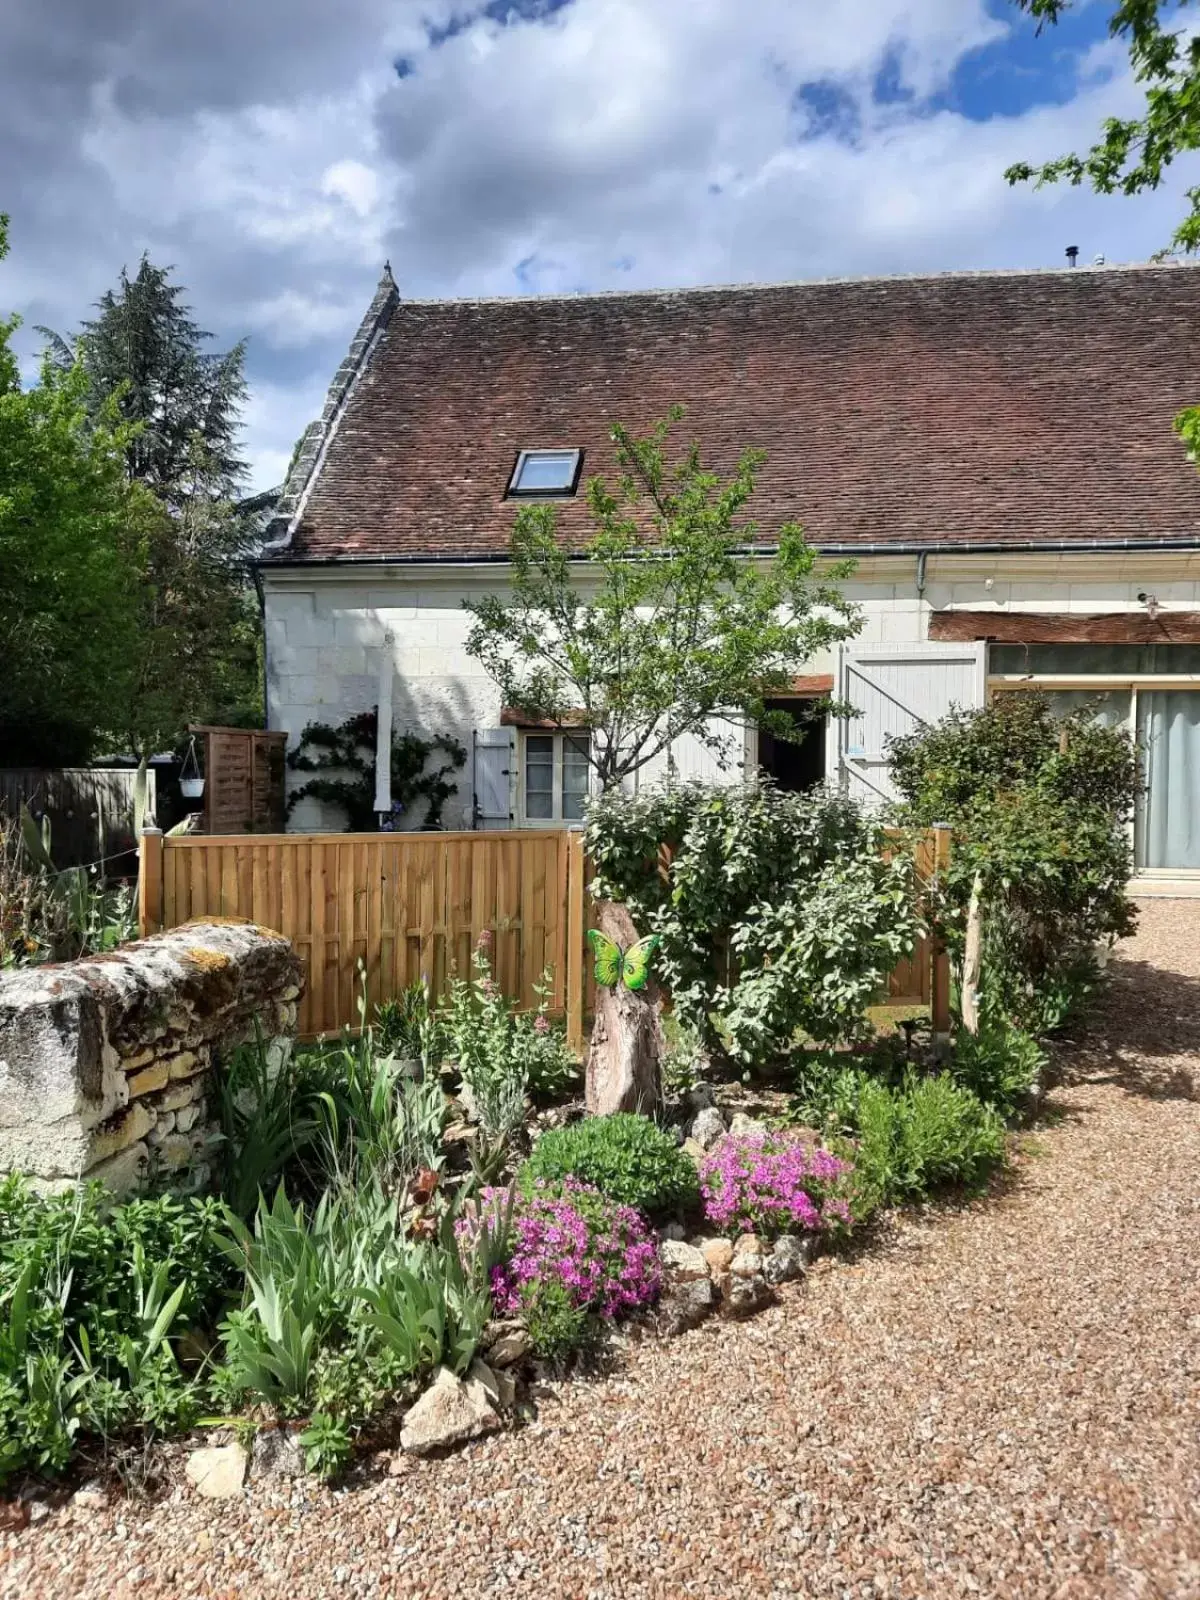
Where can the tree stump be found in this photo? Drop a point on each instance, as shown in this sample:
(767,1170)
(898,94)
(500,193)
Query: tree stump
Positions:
(624,1065)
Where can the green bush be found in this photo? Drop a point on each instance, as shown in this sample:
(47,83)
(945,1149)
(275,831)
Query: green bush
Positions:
(929,1133)
(1040,808)
(1000,1064)
(627,1157)
(90,1296)
(778,912)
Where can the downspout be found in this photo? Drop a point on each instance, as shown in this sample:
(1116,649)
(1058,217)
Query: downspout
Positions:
(922,557)
(383,733)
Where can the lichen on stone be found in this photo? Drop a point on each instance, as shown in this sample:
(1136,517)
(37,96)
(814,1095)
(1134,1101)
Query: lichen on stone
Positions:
(206,960)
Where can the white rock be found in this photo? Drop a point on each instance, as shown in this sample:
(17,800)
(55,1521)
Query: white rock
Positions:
(741,1123)
(451,1411)
(682,1263)
(708,1127)
(217,1472)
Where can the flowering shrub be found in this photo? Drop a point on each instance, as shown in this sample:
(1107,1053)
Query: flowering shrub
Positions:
(569,1249)
(773,1183)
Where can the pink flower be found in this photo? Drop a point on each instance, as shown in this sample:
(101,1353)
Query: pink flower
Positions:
(541,1023)
(773,1183)
(602,1254)
(485,939)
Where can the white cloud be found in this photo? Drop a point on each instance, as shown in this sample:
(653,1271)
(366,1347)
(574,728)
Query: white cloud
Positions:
(274,156)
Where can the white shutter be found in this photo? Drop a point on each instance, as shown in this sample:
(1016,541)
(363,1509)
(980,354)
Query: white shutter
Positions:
(494,776)
(895,689)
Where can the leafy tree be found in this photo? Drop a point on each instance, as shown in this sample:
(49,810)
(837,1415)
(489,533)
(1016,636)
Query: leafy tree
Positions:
(666,624)
(69,544)
(144,348)
(197,655)
(1133,154)
(1040,809)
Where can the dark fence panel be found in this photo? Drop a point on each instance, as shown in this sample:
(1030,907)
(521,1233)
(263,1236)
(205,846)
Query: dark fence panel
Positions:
(90,811)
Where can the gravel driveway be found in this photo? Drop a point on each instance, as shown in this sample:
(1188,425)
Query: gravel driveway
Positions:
(1002,1400)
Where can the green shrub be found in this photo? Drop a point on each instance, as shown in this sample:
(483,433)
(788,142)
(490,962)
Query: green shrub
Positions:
(1000,1064)
(1040,808)
(408,1027)
(90,1295)
(341,1310)
(627,1157)
(927,1134)
(779,913)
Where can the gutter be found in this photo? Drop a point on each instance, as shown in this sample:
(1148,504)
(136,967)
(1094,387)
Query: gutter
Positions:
(960,547)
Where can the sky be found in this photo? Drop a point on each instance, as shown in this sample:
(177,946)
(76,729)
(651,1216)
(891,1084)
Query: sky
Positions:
(276,152)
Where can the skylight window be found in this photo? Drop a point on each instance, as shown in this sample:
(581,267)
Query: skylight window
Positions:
(546,472)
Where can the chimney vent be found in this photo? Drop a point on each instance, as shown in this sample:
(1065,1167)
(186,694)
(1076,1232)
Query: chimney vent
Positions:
(1072,254)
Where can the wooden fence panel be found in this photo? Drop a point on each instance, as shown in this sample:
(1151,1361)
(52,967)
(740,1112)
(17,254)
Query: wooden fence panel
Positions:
(412,906)
(90,811)
(405,906)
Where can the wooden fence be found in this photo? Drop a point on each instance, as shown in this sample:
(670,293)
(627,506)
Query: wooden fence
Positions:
(90,811)
(409,906)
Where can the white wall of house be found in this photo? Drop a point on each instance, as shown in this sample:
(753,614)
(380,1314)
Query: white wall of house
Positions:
(325,627)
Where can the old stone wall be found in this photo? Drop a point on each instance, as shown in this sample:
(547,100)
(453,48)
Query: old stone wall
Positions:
(107,1065)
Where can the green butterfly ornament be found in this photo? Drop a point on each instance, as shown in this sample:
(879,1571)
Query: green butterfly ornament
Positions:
(615,965)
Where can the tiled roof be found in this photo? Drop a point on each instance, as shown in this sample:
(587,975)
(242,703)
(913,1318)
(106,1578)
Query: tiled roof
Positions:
(966,408)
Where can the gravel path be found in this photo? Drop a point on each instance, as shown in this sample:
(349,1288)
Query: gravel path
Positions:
(1002,1401)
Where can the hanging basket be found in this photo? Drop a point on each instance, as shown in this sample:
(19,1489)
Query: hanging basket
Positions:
(191,782)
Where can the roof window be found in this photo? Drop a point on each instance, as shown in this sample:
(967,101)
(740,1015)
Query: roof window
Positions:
(545,472)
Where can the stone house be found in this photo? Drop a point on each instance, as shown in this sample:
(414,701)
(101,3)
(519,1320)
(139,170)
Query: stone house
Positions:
(994,449)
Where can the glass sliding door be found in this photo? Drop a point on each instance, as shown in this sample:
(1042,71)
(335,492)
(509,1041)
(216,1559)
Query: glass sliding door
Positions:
(1168,823)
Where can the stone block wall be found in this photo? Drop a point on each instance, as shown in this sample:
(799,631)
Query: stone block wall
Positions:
(107,1064)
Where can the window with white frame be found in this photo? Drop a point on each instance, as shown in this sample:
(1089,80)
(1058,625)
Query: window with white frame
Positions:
(545,473)
(554,777)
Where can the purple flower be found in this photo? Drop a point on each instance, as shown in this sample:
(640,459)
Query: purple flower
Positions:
(601,1253)
(773,1183)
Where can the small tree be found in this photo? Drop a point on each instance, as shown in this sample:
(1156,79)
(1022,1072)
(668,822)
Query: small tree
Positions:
(668,622)
(1040,808)
(677,614)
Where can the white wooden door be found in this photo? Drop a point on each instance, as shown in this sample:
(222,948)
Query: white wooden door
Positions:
(895,689)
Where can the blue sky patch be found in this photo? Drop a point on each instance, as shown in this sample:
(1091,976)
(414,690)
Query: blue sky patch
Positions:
(1024,69)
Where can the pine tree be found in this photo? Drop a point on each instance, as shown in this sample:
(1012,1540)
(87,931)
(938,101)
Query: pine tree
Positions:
(185,401)
(197,655)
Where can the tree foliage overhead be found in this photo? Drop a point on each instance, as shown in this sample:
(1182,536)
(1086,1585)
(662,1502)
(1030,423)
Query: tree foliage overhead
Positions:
(70,546)
(1133,154)
(665,624)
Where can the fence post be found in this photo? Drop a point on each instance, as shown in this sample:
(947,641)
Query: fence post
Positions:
(574,941)
(939,958)
(150,881)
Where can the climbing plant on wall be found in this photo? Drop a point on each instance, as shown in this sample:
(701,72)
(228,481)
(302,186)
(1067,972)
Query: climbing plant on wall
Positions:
(343,759)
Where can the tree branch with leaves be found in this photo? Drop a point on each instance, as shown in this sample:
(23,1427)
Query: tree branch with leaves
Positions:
(675,614)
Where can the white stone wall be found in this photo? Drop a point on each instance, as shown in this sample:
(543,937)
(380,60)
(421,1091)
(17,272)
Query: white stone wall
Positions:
(324,628)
